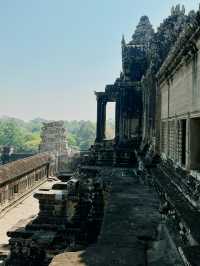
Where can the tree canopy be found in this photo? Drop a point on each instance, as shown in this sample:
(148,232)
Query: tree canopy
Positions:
(25,136)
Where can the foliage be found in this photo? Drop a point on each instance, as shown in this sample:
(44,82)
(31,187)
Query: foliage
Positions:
(86,135)
(80,134)
(110,129)
(25,136)
(12,135)
(32,142)
(71,140)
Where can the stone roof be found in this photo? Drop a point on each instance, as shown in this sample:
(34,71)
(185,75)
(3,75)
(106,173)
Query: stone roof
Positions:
(183,49)
(53,124)
(21,167)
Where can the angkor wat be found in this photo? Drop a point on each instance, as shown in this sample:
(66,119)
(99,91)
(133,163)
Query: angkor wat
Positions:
(133,200)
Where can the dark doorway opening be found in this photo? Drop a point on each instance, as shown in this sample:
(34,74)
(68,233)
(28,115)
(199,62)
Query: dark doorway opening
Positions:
(195,144)
(183,142)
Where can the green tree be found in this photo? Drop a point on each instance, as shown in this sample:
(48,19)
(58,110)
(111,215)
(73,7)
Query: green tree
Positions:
(11,135)
(86,135)
(32,142)
(25,136)
(71,140)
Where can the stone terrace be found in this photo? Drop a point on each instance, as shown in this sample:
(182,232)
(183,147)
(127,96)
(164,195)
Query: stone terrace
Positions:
(130,227)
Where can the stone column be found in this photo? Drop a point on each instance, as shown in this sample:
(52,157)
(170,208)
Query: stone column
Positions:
(100,131)
(117,120)
(103,120)
(98,128)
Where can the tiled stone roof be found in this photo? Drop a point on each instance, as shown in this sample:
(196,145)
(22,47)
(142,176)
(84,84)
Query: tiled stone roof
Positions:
(20,167)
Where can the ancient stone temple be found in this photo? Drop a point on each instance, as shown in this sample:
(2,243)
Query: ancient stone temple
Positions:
(126,92)
(136,199)
(134,92)
(54,139)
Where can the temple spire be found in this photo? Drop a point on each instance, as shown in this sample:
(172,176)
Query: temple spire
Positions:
(123,42)
(143,33)
(177,9)
(183,9)
(172,10)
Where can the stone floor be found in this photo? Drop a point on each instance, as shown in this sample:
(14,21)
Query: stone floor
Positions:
(129,229)
(24,211)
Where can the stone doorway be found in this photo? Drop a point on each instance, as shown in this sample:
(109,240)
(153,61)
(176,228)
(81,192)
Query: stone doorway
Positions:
(195,144)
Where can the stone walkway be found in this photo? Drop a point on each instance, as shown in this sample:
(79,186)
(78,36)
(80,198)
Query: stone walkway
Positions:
(24,211)
(18,216)
(130,226)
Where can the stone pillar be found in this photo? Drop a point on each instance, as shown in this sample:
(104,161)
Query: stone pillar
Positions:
(101,117)
(119,117)
(103,120)
(99,114)
(168,122)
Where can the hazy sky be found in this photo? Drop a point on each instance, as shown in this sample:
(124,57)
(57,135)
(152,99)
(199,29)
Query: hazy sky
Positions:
(55,53)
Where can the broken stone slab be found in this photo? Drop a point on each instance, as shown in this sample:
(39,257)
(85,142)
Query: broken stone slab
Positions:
(54,195)
(19,232)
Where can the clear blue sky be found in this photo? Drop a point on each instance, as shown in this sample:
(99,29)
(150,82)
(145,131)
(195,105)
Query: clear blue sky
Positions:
(55,53)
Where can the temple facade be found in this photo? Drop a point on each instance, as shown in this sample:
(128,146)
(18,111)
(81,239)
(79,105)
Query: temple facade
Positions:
(159,47)
(126,92)
(178,100)
(136,92)
(146,211)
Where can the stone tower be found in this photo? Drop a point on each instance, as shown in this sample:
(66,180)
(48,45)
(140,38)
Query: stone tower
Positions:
(134,53)
(54,139)
(143,33)
(126,93)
